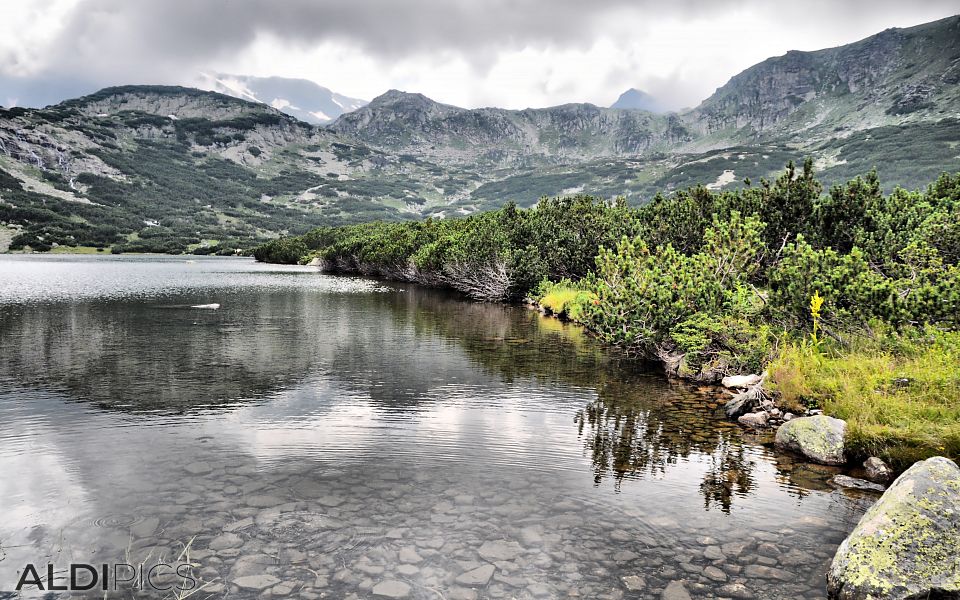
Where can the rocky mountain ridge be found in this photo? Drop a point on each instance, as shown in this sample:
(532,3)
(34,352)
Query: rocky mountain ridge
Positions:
(412,123)
(896,76)
(214,172)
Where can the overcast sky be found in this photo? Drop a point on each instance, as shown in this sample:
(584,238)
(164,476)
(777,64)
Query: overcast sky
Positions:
(508,53)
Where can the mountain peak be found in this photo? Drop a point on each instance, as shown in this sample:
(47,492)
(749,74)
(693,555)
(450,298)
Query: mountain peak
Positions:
(393,97)
(638,100)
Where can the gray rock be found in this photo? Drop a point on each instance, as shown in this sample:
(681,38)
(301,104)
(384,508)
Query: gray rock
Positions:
(905,546)
(198,468)
(756,420)
(713,553)
(765,572)
(740,381)
(540,590)
(262,501)
(736,590)
(500,550)
(734,548)
(715,573)
(251,564)
(238,525)
(391,588)
(634,583)
(479,576)
(227,540)
(256,582)
(283,588)
(408,555)
(857,484)
(877,470)
(768,549)
(739,405)
(531,536)
(819,438)
(675,590)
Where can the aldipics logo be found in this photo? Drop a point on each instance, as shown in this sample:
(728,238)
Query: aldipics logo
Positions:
(81,577)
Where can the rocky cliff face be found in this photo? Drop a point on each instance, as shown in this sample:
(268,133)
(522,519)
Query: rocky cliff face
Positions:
(876,81)
(413,123)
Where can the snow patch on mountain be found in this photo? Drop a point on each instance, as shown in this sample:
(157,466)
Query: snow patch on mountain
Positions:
(300,98)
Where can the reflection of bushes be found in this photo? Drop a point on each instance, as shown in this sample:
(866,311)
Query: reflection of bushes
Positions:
(730,474)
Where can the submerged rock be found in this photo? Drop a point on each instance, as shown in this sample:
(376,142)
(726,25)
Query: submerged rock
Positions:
(819,438)
(905,546)
(391,589)
(856,484)
(634,583)
(256,582)
(479,576)
(877,470)
(675,590)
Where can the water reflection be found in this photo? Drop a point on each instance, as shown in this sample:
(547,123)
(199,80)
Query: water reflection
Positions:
(730,474)
(325,431)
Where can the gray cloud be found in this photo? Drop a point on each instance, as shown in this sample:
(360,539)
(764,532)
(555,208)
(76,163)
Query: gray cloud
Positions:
(118,41)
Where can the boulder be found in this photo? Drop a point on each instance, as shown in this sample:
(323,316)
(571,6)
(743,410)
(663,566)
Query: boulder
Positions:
(740,381)
(756,420)
(877,470)
(739,405)
(905,546)
(819,438)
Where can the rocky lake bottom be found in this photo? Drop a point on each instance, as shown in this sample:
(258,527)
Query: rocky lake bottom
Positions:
(320,437)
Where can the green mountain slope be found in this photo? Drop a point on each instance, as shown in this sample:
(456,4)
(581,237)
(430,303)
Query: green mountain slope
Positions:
(177,169)
(174,169)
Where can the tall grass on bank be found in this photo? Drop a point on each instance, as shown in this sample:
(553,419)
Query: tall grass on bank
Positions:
(898,392)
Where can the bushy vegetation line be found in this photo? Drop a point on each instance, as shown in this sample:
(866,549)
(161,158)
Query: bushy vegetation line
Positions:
(713,283)
(494,256)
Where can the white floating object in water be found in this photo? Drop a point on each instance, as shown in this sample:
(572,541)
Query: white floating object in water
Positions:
(210,306)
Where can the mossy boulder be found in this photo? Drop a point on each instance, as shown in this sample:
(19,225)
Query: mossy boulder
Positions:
(819,438)
(905,546)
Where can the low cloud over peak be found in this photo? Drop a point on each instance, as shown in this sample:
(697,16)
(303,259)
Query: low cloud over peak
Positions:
(498,52)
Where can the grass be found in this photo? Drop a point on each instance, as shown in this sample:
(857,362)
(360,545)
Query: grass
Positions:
(899,393)
(564,300)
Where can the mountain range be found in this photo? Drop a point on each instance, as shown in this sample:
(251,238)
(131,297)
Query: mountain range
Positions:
(173,168)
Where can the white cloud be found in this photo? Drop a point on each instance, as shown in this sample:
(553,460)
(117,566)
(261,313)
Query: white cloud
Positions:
(515,54)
